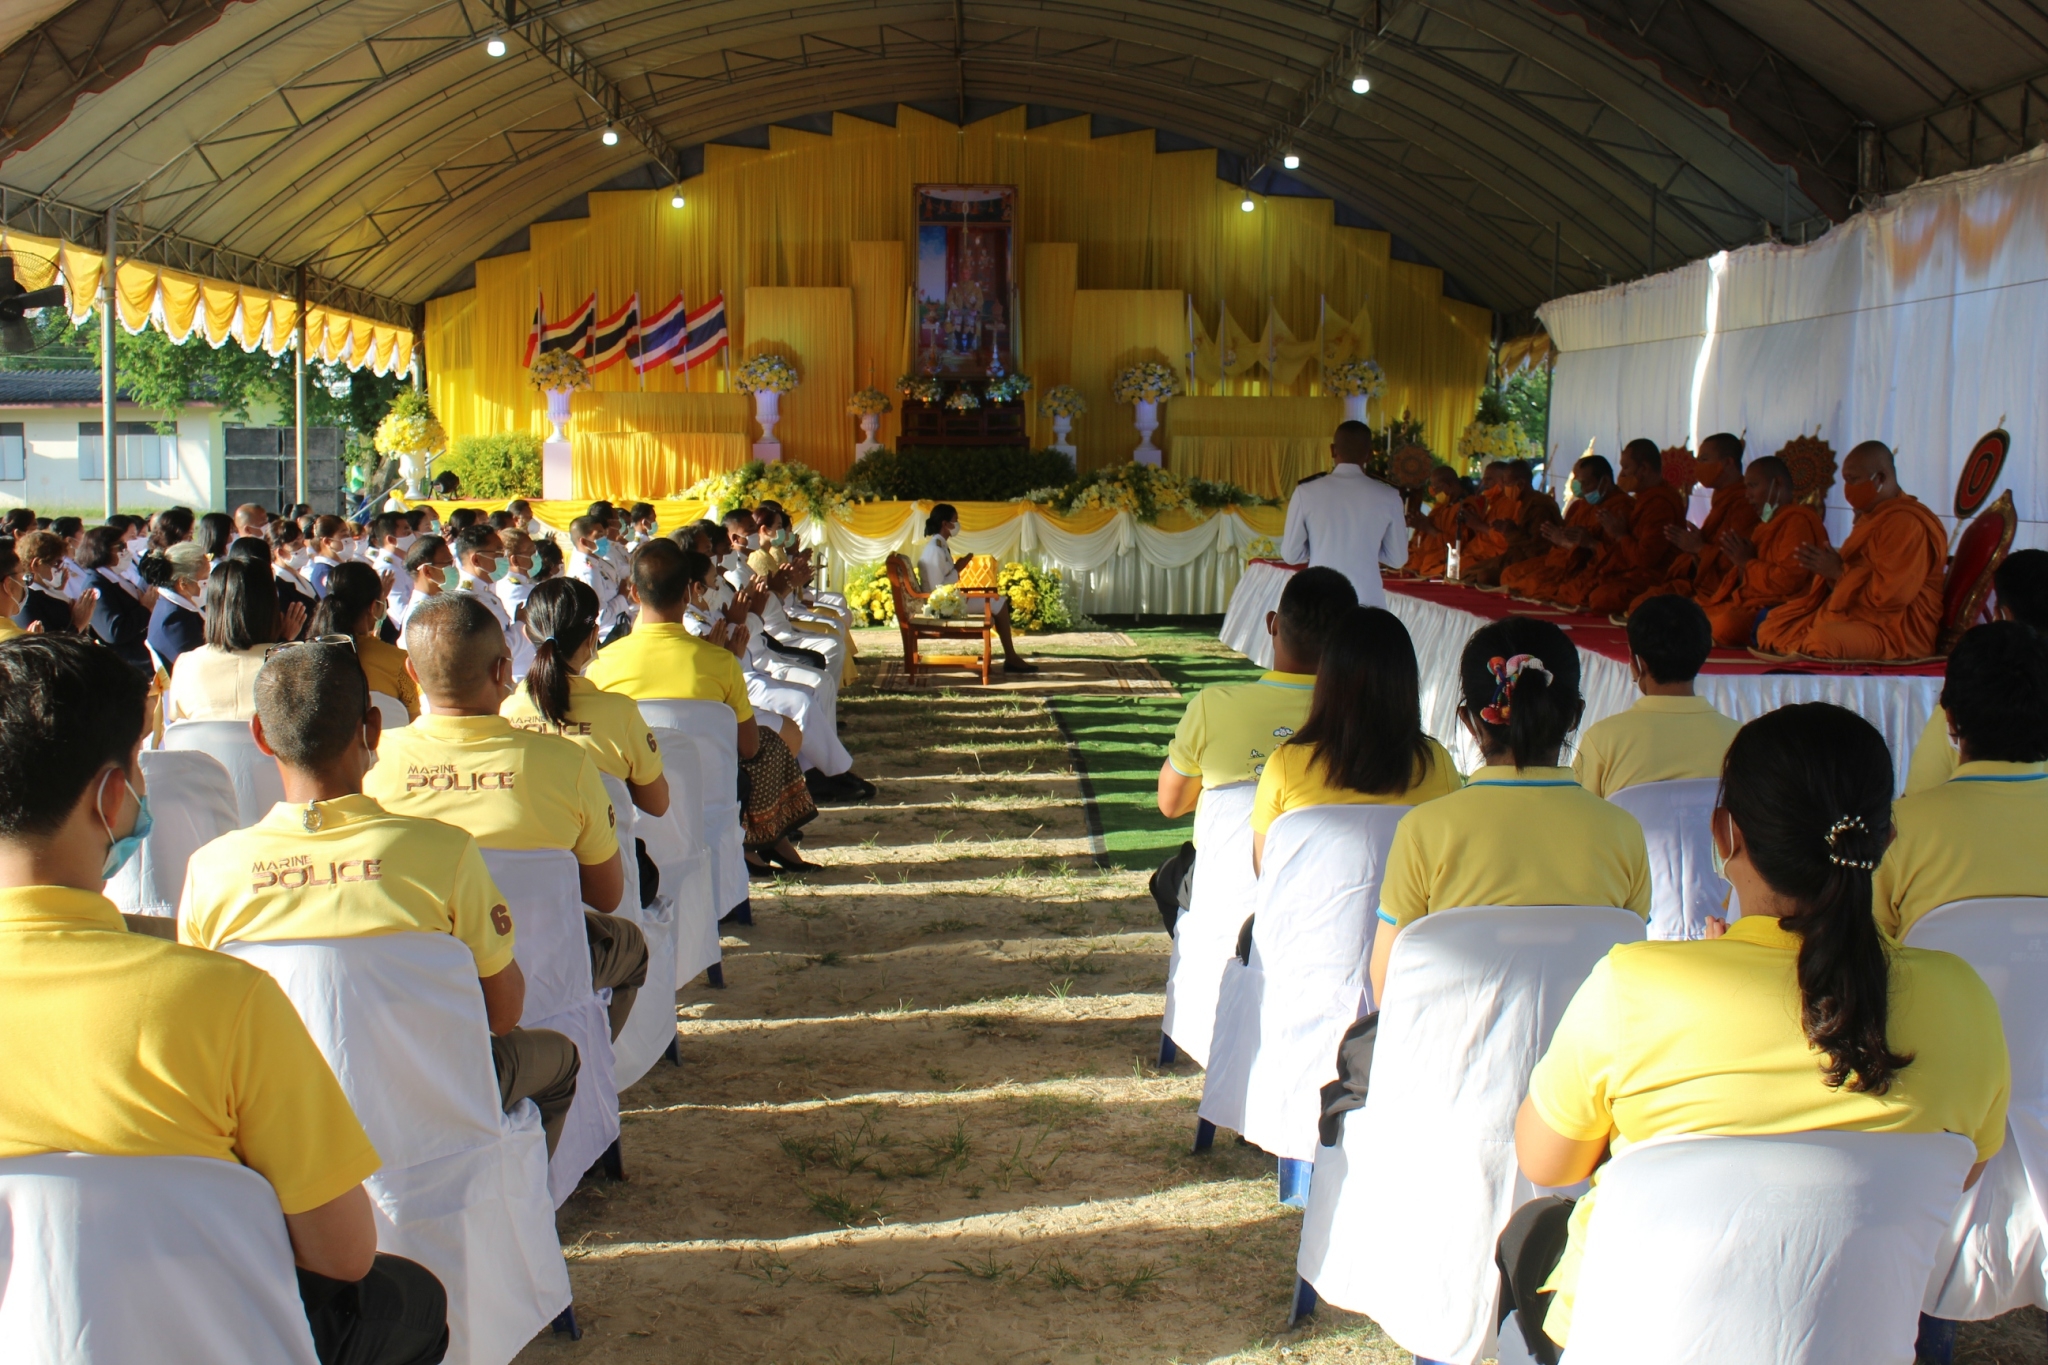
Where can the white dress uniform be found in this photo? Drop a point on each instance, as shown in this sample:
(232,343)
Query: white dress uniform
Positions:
(1350,522)
(485,591)
(603,578)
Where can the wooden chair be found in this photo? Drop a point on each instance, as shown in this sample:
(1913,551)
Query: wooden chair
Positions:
(917,624)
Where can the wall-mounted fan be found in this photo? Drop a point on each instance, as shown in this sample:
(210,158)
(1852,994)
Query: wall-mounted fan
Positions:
(16,336)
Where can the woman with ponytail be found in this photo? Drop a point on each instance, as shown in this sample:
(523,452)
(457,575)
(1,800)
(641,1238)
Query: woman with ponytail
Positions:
(1800,1017)
(555,698)
(1522,831)
(354,606)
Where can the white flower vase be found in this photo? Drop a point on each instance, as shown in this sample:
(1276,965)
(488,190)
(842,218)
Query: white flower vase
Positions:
(1354,407)
(870,423)
(767,411)
(1147,422)
(1061,426)
(558,413)
(412,468)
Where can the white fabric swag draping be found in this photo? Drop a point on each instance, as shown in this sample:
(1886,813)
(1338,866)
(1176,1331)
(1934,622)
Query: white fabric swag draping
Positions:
(1919,323)
(1125,568)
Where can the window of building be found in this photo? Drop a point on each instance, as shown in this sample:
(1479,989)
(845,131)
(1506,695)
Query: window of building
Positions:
(13,452)
(145,452)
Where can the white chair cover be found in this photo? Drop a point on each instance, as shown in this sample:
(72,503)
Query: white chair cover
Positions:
(711,725)
(258,785)
(1281,1017)
(651,1026)
(396,717)
(111,1260)
(678,848)
(464,1186)
(1994,1257)
(191,803)
(553,948)
(1472,997)
(1205,935)
(1677,819)
(1796,1249)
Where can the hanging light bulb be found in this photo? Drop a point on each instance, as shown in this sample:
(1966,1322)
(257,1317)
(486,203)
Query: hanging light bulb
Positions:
(1292,161)
(675,201)
(1360,84)
(496,46)
(611,137)
(1247,205)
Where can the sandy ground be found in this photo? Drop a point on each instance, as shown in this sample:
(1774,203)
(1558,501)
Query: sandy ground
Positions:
(923,1122)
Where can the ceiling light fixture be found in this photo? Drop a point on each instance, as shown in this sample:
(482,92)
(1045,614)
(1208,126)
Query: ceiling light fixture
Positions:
(496,46)
(1246,204)
(1360,84)
(1292,161)
(611,137)
(675,201)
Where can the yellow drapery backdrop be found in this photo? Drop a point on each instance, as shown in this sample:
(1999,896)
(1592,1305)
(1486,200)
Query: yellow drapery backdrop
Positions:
(1095,215)
(1266,446)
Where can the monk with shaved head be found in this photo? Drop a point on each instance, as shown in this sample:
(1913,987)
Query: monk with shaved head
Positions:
(1700,564)
(1880,597)
(1764,566)
(1571,543)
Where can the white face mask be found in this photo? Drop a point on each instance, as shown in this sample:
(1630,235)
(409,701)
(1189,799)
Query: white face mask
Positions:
(300,557)
(405,542)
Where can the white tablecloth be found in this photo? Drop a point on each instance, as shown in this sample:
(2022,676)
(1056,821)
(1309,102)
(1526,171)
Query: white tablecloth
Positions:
(1897,705)
(1258,592)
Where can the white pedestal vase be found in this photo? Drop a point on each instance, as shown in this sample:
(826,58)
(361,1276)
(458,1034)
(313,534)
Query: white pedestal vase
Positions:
(870,423)
(557,473)
(767,411)
(1147,422)
(1354,407)
(1061,426)
(413,469)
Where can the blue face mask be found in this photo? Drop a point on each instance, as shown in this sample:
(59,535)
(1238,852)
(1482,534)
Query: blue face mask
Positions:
(500,567)
(124,848)
(1592,499)
(1769,510)
(603,546)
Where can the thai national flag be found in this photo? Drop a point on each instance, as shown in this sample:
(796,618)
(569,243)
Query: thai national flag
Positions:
(661,336)
(572,334)
(540,325)
(618,337)
(705,334)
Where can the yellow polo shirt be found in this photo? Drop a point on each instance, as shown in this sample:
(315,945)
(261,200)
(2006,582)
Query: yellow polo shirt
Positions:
(345,868)
(1230,730)
(1659,739)
(384,667)
(1934,758)
(605,725)
(659,662)
(1515,836)
(1705,1038)
(506,788)
(121,1044)
(8,630)
(1984,832)
(1294,779)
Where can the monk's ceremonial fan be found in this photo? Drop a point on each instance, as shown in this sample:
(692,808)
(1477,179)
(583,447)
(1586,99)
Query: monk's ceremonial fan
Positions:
(1981,471)
(1678,470)
(1812,462)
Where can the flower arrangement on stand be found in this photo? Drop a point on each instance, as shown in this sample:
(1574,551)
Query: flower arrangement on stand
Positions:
(963,399)
(1038,597)
(1063,403)
(1008,388)
(801,490)
(1145,492)
(1145,386)
(868,404)
(411,434)
(767,377)
(1357,382)
(946,601)
(922,388)
(1493,434)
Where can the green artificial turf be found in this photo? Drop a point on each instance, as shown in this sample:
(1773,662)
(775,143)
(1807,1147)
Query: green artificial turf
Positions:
(1121,741)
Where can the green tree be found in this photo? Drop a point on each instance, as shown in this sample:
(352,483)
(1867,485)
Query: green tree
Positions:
(1526,395)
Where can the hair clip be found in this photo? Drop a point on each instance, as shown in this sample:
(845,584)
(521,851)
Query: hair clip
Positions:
(1506,673)
(1846,825)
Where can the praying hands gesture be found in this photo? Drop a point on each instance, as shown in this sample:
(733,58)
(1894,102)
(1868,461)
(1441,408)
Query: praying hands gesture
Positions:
(1613,522)
(1686,537)
(1821,559)
(1571,537)
(1740,549)
(81,614)
(294,621)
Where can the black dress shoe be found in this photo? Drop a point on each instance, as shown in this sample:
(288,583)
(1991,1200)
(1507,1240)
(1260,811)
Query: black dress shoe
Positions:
(793,864)
(1018,666)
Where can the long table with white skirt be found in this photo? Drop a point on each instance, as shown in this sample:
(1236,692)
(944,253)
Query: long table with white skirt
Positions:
(1441,618)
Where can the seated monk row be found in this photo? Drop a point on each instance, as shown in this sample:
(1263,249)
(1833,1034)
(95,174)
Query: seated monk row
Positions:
(1764,562)
(1495,527)
(1437,529)
(1701,563)
(1612,542)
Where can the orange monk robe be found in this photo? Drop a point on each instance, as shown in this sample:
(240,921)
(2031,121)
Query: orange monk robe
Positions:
(1696,576)
(1497,504)
(1530,513)
(1429,551)
(1635,560)
(1774,576)
(1539,576)
(1886,604)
